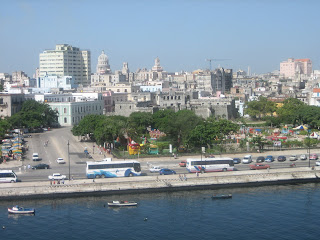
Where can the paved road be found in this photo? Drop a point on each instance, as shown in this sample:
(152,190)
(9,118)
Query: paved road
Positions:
(58,147)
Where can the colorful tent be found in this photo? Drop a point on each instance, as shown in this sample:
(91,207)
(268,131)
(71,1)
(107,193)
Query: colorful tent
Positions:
(301,127)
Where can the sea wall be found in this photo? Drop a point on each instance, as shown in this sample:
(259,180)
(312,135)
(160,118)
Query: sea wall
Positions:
(111,186)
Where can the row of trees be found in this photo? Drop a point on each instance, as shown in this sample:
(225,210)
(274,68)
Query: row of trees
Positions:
(181,128)
(32,115)
(293,111)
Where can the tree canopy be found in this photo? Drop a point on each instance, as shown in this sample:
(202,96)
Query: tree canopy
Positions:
(182,127)
(260,108)
(34,115)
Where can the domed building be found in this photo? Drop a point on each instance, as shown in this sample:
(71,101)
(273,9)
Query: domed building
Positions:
(103,66)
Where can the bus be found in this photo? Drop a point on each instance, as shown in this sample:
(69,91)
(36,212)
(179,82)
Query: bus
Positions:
(108,168)
(210,165)
(8,176)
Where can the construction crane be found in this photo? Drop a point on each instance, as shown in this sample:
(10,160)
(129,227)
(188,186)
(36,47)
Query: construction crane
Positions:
(214,59)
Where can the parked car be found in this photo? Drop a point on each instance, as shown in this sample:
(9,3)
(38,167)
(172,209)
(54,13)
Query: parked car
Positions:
(259,166)
(41,166)
(313,156)
(60,161)
(183,163)
(236,160)
(293,158)
(155,169)
(57,176)
(303,157)
(247,159)
(166,171)
(260,159)
(35,157)
(269,158)
(317,163)
(282,158)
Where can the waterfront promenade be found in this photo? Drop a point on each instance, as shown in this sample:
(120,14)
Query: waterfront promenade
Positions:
(111,186)
(84,187)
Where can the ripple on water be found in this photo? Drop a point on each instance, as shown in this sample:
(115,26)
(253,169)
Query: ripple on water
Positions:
(274,212)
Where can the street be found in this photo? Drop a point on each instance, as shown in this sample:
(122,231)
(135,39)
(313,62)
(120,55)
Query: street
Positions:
(57,147)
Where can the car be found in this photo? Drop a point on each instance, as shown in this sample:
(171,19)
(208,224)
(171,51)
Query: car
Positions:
(293,158)
(155,169)
(183,163)
(41,166)
(247,159)
(317,163)
(269,158)
(260,159)
(35,157)
(166,171)
(236,160)
(57,176)
(282,158)
(259,166)
(313,156)
(303,157)
(60,161)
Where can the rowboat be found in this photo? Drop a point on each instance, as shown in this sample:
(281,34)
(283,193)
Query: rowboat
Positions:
(122,204)
(222,196)
(21,210)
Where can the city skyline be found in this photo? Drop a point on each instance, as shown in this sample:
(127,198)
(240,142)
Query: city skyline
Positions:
(183,34)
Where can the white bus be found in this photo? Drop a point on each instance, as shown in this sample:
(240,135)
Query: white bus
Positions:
(210,165)
(108,168)
(8,176)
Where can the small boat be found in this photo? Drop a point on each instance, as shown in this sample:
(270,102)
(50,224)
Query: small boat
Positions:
(21,210)
(121,204)
(222,196)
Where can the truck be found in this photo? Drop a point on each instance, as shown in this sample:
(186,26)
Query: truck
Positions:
(57,176)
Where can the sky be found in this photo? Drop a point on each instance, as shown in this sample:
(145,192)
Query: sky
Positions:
(184,34)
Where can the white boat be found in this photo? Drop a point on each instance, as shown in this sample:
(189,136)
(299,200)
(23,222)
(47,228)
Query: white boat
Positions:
(121,204)
(21,210)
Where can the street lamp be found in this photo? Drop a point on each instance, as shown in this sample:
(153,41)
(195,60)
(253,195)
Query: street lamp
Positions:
(309,145)
(69,159)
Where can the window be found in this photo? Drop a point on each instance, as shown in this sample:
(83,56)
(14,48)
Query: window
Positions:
(65,120)
(64,110)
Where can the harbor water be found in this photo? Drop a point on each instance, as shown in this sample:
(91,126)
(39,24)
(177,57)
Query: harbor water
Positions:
(270,212)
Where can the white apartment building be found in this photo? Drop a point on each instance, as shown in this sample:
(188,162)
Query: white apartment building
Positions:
(66,60)
(65,82)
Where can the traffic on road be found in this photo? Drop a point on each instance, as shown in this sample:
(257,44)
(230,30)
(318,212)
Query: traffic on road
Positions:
(59,153)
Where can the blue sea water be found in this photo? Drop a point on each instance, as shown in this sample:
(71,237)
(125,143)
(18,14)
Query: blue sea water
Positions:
(271,212)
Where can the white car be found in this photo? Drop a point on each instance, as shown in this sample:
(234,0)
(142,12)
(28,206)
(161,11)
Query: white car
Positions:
(303,157)
(57,176)
(293,158)
(35,157)
(155,169)
(247,159)
(317,163)
(60,161)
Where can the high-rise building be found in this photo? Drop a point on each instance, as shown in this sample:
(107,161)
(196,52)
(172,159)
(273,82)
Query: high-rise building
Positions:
(289,68)
(66,60)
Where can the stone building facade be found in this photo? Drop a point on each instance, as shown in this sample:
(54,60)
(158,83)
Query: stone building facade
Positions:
(10,104)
